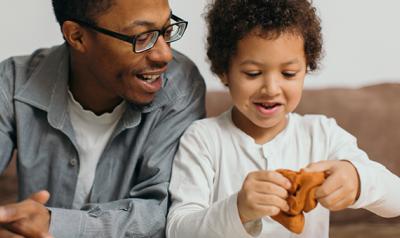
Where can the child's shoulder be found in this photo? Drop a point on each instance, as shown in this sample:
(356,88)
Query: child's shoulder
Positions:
(210,124)
(313,121)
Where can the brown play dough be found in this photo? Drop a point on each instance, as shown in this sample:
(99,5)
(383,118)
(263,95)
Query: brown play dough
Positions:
(301,198)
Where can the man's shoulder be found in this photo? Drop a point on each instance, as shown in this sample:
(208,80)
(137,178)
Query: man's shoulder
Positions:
(182,60)
(16,70)
(183,72)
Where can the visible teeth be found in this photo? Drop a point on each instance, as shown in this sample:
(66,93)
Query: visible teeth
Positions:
(269,106)
(150,78)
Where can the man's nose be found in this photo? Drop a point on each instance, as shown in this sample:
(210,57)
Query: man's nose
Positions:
(161,51)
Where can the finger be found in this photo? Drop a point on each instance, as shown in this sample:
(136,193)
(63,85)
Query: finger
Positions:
(41,197)
(274,177)
(267,210)
(27,229)
(16,211)
(9,213)
(271,200)
(320,166)
(328,187)
(330,200)
(270,188)
(342,204)
(4,233)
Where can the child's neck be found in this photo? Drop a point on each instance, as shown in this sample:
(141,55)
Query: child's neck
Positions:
(261,135)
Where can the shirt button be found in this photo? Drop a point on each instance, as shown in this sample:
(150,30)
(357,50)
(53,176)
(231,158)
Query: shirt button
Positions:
(73,162)
(265,154)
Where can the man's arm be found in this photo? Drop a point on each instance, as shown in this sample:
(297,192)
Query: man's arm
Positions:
(143,214)
(7,134)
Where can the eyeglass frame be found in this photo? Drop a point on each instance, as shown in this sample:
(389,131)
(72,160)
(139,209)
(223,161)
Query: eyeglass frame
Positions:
(132,39)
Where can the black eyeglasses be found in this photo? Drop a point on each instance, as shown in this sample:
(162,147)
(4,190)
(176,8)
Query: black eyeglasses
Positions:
(146,40)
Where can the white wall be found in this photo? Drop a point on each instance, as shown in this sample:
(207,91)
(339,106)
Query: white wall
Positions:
(26,25)
(362,37)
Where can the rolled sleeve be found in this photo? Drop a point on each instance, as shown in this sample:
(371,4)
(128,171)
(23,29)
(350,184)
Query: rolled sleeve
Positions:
(66,223)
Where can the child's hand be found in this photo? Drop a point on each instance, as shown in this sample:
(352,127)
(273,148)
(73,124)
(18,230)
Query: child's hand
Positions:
(263,193)
(342,187)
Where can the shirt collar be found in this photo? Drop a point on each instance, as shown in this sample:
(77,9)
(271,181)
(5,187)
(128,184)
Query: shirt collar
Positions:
(47,86)
(47,89)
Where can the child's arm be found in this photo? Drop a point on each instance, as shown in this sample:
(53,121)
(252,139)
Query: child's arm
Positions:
(355,181)
(194,211)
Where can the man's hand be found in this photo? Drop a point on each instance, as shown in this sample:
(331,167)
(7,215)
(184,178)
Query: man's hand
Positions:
(29,218)
(4,233)
(342,187)
(263,193)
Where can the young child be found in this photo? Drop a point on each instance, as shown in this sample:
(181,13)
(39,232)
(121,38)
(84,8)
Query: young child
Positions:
(224,180)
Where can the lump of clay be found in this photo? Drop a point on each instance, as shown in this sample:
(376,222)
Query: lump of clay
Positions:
(301,198)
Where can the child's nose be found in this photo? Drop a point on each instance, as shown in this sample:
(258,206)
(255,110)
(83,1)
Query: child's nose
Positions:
(271,86)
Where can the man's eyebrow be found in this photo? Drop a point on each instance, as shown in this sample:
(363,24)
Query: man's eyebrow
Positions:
(144,23)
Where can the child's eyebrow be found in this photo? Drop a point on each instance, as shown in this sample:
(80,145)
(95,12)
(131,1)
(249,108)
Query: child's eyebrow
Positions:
(290,62)
(294,61)
(250,62)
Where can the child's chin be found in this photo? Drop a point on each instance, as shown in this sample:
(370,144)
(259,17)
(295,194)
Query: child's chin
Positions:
(272,123)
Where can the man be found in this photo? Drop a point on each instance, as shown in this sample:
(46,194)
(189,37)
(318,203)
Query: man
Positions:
(96,122)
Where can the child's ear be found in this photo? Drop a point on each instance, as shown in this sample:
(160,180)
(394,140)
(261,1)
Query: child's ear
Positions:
(224,79)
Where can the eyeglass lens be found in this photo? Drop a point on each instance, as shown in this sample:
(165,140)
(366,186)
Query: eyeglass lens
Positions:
(147,40)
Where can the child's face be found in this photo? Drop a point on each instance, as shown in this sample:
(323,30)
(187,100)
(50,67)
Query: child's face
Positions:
(265,79)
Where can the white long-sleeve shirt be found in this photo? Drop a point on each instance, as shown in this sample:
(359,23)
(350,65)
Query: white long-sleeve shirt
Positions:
(215,156)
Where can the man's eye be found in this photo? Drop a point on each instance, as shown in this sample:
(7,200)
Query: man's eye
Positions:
(168,33)
(143,37)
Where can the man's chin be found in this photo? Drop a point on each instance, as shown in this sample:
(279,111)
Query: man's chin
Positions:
(141,102)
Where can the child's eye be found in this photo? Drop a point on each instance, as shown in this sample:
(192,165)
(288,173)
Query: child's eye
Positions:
(289,74)
(253,74)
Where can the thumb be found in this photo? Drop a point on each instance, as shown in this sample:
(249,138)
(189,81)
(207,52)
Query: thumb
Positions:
(321,166)
(41,197)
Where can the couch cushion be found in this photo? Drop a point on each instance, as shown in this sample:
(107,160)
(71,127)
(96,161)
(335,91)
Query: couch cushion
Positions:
(372,114)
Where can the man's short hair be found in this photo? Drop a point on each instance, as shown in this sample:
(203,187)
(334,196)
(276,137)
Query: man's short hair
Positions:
(85,10)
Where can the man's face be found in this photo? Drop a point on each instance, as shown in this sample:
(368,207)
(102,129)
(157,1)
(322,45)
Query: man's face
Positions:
(111,63)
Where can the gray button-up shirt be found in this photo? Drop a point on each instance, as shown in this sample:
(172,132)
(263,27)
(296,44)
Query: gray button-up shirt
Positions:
(129,195)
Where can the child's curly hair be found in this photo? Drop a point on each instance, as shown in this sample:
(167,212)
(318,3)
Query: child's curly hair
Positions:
(229,21)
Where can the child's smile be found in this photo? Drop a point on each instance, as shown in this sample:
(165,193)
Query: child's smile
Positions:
(268,109)
(265,79)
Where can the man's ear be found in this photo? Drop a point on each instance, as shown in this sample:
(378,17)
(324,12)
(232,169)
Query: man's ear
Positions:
(74,34)
(224,79)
